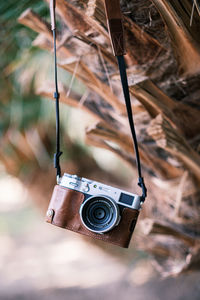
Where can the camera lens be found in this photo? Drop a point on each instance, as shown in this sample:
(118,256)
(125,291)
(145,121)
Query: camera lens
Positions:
(99,214)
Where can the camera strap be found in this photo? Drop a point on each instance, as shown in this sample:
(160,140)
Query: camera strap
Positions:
(116,32)
(56,94)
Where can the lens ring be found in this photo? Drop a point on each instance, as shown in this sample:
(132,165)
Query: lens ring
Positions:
(99,214)
(93,209)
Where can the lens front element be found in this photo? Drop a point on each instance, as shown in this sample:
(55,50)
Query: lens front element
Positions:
(99,214)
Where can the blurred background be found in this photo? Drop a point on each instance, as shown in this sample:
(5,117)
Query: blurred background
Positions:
(37,260)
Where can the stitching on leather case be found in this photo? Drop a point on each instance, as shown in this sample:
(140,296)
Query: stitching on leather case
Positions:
(118,41)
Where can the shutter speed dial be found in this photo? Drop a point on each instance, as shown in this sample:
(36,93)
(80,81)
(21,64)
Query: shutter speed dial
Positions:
(86,188)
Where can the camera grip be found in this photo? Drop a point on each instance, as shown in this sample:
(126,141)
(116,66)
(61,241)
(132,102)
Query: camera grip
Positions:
(64,208)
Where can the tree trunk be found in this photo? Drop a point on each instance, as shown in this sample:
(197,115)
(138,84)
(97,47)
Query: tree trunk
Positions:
(163,59)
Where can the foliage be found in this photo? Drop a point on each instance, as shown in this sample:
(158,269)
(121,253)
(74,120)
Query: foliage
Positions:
(21,110)
(16,40)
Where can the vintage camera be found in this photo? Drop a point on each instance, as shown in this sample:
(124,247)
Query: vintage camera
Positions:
(94,209)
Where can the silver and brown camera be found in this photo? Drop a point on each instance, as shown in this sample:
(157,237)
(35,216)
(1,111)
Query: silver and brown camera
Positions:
(94,209)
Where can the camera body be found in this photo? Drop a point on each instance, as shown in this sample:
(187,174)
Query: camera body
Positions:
(94,209)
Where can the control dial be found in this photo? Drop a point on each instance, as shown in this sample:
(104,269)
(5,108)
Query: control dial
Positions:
(86,188)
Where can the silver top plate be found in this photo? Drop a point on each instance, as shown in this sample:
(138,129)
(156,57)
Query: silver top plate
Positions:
(96,188)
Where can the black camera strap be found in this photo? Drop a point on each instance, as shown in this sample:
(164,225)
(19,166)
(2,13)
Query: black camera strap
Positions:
(124,81)
(116,31)
(56,94)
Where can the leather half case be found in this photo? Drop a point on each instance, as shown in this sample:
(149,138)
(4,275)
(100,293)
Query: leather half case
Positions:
(64,208)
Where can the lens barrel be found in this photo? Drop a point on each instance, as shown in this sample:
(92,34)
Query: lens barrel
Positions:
(99,214)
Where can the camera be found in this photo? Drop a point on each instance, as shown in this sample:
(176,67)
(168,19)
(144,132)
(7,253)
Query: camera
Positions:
(94,209)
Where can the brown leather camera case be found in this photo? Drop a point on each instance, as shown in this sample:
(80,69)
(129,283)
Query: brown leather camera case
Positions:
(64,208)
